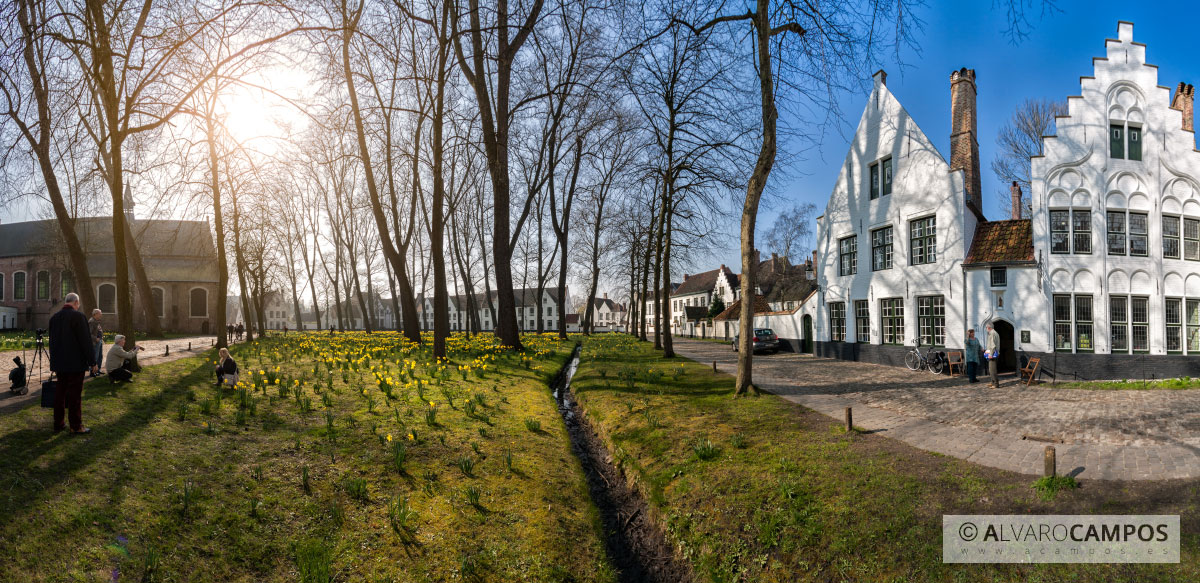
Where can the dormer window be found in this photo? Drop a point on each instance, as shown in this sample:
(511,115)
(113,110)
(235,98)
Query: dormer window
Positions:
(1125,141)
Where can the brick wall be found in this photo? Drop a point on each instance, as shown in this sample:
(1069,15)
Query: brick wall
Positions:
(964,145)
(1184,101)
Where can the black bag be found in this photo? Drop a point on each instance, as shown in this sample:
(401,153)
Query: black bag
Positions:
(49,390)
(133,363)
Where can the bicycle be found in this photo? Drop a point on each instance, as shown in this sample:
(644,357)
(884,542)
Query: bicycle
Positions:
(933,360)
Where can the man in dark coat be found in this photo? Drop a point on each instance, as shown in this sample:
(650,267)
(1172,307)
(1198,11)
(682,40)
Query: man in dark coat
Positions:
(72,354)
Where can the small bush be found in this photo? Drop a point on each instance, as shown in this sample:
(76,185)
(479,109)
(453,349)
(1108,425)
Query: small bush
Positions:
(467,465)
(705,450)
(533,425)
(356,488)
(1047,487)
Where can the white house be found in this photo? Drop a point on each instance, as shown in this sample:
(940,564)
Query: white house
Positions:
(899,223)
(699,291)
(1103,281)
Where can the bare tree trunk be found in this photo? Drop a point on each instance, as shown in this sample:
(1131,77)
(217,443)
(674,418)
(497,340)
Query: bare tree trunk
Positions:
(218,223)
(754,190)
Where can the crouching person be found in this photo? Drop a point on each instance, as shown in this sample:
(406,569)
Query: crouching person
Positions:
(227,370)
(119,361)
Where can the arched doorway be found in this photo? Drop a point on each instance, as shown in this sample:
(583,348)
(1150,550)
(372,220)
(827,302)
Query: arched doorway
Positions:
(1008,356)
(806,344)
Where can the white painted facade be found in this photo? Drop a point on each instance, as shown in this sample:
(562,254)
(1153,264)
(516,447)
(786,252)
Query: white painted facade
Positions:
(922,186)
(1082,174)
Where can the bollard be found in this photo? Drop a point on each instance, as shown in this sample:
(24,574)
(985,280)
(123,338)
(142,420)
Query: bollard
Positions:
(167,352)
(1050,469)
(189,346)
(849,420)
(714,366)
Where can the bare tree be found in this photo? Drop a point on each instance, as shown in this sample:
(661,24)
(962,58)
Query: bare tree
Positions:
(1020,139)
(792,231)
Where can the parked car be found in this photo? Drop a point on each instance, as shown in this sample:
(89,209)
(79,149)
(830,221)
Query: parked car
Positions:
(764,339)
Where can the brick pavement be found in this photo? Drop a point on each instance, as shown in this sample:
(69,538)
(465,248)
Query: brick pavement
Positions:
(1115,435)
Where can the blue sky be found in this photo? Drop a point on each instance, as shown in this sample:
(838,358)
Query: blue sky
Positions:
(1047,63)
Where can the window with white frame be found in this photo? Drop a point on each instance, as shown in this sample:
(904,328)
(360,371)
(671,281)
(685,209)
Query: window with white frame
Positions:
(1173,317)
(1191,239)
(1192,316)
(923,241)
(892,319)
(881,178)
(1116,232)
(837,321)
(1073,322)
(19,288)
(1170,236)
(881,249)
(1070,231)
(862,321)
(1118,316)
(999,276)
(931,320)
(1139,312)
(848,255)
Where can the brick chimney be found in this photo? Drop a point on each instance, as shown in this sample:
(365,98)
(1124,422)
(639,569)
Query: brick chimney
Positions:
(685,276)
(1016,200)
(1184,100)
(964,145)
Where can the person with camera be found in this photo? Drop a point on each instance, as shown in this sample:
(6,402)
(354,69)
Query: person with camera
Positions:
(96,331)
(72,355)
(119,362)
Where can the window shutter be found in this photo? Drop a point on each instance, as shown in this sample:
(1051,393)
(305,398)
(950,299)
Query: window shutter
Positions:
(1116,142)
(1135,143)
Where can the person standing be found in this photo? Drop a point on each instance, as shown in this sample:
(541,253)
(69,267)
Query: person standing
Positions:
(972,349)
(96,331)
(993,355)
(119,361)
(72,354)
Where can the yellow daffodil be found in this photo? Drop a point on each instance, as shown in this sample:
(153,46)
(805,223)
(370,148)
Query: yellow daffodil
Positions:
(389,437)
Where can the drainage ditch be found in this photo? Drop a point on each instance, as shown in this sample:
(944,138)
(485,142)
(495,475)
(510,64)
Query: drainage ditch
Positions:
(636,546)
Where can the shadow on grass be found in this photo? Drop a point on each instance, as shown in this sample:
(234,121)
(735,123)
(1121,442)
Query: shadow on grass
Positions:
(20,450)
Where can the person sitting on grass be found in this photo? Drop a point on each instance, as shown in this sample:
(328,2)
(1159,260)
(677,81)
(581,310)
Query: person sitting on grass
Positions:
(119,362)
(227,370)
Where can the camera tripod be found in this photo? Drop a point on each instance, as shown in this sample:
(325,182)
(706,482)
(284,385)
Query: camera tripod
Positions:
(39,352)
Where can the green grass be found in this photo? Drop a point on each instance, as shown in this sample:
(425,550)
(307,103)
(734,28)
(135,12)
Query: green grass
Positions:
(1183,383)
(1048,486)
(760,489)
(168,492)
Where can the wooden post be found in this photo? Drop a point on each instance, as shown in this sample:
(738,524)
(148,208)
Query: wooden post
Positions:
(189,346)
(1050,469)
(167,352)
(714,366)
(849,420)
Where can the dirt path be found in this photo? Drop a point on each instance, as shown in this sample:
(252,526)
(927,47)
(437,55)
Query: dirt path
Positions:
(156,352)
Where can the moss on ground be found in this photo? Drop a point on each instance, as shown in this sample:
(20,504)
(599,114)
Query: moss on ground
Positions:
(76,508)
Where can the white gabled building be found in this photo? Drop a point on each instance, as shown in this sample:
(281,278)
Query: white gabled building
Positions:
(1116,220)
(897,228)
(1103,281)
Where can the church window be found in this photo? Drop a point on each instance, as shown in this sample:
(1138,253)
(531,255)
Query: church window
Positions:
(107,298)
(19,291)
(66,281)
(198,302)
(43,285)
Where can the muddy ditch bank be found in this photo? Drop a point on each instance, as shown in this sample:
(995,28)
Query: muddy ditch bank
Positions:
(637,546)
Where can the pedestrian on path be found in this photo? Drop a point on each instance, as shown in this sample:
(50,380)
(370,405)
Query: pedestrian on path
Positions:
(972,349)
(96,331)
(71,356)
(992,354)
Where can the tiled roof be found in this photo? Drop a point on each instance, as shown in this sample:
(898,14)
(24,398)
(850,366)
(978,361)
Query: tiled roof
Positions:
(572,318)
(702,282)
(735,311)
(1002,242)
(695,313)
